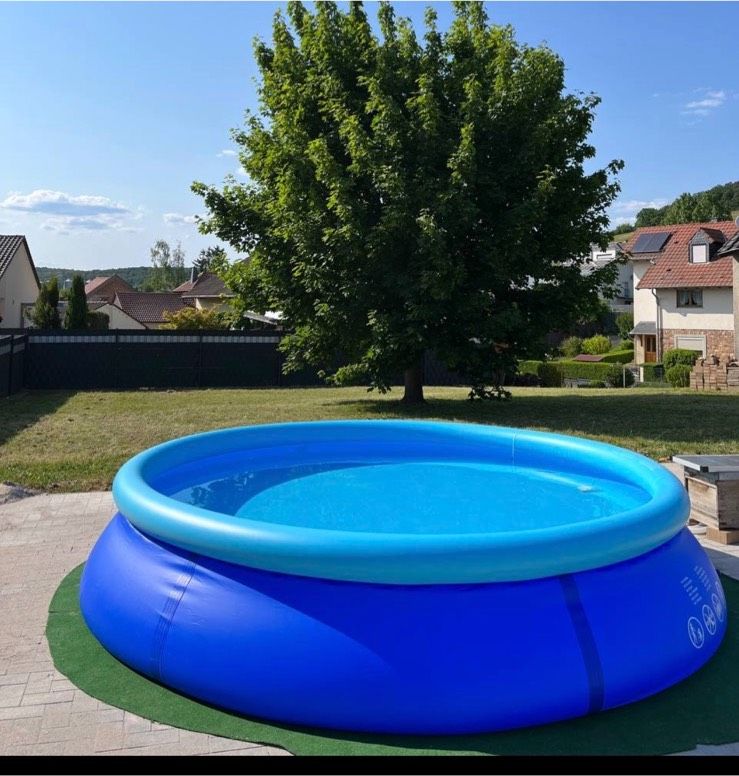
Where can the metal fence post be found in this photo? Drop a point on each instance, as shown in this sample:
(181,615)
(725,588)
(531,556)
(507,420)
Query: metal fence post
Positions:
(10,365)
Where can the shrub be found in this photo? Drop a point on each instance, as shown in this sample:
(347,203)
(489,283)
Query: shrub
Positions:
(596,345)
(626,344)
(617,376)
(97,320)
(653,373)
(624,324)
(75,317)
(678,376)
(549,374)
(190,318)
(571,347)
(594,384)
(679,356)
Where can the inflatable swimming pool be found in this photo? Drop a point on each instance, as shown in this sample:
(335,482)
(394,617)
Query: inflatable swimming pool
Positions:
(398,576)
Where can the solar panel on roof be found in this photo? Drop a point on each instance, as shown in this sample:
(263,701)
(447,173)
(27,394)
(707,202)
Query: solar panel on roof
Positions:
(650,243)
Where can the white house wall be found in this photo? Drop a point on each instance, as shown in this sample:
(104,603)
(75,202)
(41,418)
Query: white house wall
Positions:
(17,287)
(717,311)
(117,319)
(645,306)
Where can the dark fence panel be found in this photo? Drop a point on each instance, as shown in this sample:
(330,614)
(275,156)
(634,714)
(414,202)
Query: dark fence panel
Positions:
(168,359)
(12,357)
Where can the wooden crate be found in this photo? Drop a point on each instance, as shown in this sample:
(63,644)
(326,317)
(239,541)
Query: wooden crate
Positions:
(714,501)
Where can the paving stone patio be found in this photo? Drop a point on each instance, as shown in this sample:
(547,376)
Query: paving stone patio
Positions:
(42,538)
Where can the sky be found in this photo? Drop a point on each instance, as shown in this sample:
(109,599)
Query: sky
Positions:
(109,111)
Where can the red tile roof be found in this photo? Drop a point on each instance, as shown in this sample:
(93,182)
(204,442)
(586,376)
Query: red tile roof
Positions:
(671,266)
(149,307)
(106,287)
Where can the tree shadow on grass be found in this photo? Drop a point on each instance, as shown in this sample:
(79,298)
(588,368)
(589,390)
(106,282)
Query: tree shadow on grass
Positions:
(23,410)
(654,423)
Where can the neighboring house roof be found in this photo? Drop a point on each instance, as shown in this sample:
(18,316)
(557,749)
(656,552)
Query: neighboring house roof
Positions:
(186,286)
(9,245)
(671,266)
(105,307)
(106,287)
(149,307)
(207,285)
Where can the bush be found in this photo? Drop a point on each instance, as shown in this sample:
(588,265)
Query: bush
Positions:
(679,356)
(618,357)
(678,376)
(596,345)
(594,384)
(624,324)
(626,344)
(571,347)
(616,376)
(97,320)
(653,373)
(549,374)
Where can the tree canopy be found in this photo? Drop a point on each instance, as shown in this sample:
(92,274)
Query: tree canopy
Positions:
(406,195)
(718,202)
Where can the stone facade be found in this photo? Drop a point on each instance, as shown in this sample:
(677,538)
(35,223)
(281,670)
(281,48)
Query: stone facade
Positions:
(719,342)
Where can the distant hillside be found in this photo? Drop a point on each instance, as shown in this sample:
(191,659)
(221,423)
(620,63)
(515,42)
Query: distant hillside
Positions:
(136,276)
(721,202)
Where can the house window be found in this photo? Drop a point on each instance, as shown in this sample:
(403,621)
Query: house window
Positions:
(698,254)
(690,297)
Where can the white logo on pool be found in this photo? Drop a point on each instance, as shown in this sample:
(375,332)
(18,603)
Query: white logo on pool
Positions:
(718,607)
(709,618)
(695,631)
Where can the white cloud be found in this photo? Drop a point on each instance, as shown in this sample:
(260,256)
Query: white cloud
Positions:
(59,203)
(178,218)
(227,152)
(70,212)
(626,211)
(711,99)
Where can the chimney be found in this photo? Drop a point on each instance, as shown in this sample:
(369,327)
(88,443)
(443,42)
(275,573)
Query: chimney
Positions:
(192,274)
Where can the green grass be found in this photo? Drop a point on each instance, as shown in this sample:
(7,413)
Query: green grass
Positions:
(74,441)
(699,710)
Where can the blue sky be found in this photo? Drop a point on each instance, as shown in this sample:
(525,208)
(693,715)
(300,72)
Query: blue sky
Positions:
(110,110)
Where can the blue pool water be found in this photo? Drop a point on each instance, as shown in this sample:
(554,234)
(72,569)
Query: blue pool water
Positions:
(416,497)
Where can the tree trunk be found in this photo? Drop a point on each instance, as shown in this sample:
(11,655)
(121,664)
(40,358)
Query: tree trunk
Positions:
(413,378)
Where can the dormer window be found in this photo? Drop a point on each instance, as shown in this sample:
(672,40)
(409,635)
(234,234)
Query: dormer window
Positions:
(699,253)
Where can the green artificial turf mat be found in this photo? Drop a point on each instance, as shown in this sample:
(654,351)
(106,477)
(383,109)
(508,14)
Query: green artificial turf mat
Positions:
(703,709)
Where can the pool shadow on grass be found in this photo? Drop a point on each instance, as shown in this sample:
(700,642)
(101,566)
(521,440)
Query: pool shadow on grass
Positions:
(699,710)
(678,420)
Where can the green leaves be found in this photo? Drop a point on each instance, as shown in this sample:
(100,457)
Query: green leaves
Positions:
(407,196)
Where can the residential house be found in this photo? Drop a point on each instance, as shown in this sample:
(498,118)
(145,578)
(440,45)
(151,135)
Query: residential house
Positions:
(624,282)
(105,287)
(147,308)
(683,297)
(206,292)
(117,318)
(19,284)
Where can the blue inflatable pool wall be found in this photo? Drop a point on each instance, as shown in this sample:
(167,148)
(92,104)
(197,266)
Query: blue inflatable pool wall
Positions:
(242,570)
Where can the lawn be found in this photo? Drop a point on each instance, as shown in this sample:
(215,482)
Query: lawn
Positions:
(74,441)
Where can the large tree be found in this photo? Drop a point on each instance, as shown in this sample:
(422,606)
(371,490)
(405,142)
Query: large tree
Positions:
(407,195)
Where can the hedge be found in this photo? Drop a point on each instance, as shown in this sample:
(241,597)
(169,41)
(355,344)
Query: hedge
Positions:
(618,357)
(549,373)
(586,370)
(678,376)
